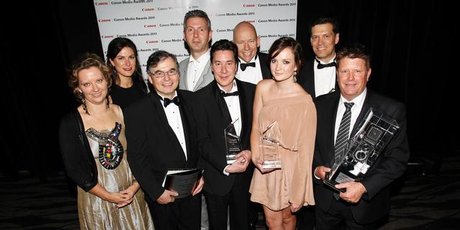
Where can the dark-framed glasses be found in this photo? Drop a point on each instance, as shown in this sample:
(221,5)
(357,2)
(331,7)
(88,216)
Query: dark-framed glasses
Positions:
(161,74)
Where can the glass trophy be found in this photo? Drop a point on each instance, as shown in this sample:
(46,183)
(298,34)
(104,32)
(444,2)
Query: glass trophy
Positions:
(374,133)
(232,143)
(269,146)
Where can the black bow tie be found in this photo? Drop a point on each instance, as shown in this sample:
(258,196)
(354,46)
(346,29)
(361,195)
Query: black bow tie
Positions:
(320,66)
(244,65)
(224,94)
(168,101)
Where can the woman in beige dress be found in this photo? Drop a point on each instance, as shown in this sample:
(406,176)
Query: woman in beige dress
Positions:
(285,116)
(93,147)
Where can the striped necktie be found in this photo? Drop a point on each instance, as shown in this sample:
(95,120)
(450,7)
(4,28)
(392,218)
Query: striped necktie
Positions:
(342,135)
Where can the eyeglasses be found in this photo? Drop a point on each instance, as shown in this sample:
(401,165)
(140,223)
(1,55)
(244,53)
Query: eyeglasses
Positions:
(161,74)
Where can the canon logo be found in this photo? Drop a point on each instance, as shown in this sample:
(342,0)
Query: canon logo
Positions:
(148,9)
(101,3)
(151,41)
(104,20)
(249,5)
(150,26)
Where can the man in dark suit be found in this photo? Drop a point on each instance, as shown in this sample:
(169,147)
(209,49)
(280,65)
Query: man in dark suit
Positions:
(162,134)
(318,78)
(318,74)
(226,101)
(253,65)
(363,204)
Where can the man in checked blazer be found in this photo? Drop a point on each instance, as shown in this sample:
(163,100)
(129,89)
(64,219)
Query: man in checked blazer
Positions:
(224,101)
(162,133)
(366,203)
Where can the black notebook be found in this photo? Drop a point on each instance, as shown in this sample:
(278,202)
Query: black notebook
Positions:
(183,181)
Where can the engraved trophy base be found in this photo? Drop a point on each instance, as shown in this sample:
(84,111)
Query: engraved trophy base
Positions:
(271,165)
(337,179)
(231,158)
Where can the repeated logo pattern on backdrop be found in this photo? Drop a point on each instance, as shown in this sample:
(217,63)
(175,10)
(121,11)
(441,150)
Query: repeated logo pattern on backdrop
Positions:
(157,24)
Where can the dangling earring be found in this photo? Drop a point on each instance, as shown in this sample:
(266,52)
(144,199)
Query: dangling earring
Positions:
(83,103)
(107,98)
(295,76)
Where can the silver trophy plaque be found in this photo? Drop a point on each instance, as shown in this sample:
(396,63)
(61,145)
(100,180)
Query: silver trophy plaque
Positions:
(232,143)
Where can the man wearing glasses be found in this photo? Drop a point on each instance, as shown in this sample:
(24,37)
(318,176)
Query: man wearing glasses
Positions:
(162,135)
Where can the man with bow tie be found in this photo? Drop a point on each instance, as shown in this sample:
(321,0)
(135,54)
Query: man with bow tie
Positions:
(162,133)
(223,102)
(318,75)
(253,64)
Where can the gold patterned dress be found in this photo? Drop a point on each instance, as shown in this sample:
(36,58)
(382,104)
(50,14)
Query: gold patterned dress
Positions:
(114,175)
(296,120)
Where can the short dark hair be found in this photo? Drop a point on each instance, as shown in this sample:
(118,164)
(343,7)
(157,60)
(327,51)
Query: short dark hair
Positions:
(199,14)
(326,20)
(159,56)
(225,44)
(355,50)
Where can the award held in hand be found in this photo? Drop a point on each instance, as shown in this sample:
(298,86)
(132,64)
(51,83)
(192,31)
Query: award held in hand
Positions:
(269,146)
(232,143)
(373,135)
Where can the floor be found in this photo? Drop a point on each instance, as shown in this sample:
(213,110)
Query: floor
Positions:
(427,197)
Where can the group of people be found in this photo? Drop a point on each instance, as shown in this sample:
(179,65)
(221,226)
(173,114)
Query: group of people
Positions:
(177,119)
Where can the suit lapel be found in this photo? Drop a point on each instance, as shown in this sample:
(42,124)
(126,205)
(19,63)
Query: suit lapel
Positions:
(204,75)
(243,99)
(163,121)
(221,104)
(359,120)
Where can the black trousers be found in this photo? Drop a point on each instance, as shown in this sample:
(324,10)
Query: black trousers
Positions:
(182,214)
(235,203)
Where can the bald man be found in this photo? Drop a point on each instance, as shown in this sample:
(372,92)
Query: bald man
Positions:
(253,65)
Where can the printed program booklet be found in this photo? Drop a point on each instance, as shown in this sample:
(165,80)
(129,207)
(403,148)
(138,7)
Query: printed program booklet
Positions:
(183,181)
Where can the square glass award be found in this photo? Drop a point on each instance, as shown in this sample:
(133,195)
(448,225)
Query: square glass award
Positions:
(270,145)
(232,143)
(374,133)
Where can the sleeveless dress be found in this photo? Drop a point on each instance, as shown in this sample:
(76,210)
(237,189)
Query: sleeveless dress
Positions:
(295,121)
(95,213)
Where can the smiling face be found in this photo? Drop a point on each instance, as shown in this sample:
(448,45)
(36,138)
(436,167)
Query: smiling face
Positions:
(93,85)
(224,68)
(125,62)
(283,66)
(167,83)
(247,41)
(352,76)
(323,41)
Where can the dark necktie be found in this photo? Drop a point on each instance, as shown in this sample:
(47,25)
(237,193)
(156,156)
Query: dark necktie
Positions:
(244,65)
(342,135)
(224,94)
(168,101)
(321,66)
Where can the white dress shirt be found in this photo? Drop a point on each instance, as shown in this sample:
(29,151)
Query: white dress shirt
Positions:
(175,122)
(195,69)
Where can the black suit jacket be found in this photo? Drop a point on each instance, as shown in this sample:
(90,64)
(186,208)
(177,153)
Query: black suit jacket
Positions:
(264,61)
(307,78)
(214,119)
(153,148)
(390,165)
